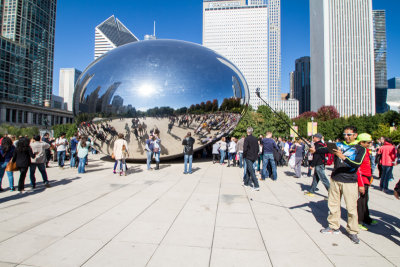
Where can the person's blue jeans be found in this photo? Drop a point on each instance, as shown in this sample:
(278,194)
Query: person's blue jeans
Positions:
(319,174)
(81,165)
(222,156)
(72,161)
(373,165)
(387,173)
(186,159)
(269,158)
(231,156)
(241,159)
(61,158)
(42,170)
(149,156)
(250,174)
(10,175)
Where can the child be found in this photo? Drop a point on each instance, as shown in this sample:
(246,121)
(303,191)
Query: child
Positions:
(364,176)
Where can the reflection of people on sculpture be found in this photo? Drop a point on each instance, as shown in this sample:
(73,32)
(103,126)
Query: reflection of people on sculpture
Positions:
(188,152)
(121,153)
(135,132)
(149,151)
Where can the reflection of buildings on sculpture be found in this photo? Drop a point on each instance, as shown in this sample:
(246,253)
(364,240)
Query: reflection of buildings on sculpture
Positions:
(110,34)
(68,78)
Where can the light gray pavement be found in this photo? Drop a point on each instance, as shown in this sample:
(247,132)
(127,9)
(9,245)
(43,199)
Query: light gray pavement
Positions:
(166,218)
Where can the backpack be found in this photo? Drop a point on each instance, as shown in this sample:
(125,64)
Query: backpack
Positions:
(329,158)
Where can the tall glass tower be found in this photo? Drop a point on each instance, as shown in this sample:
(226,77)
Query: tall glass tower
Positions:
(380,48)
(27,50)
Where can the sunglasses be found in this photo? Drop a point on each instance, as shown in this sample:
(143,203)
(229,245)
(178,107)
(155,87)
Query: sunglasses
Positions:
(348,134)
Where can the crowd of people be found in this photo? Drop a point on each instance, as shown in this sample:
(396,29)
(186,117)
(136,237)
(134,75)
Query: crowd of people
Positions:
(354,160)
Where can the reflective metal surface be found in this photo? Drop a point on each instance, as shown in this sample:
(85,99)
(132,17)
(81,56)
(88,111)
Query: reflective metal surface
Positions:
(164,86)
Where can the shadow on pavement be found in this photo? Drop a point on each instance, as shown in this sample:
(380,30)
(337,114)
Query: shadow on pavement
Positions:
(38,190)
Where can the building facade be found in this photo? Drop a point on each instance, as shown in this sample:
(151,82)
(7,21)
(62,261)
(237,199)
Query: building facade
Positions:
(248,33)
(291,84)
(394,83)
(68,78)
(27,50)
(110,34)
(380,49)
(342,56)
(302,88)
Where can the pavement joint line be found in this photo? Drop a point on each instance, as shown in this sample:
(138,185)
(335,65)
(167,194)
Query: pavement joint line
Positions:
(216,215)
(58,239)
(258,226)
(183,206)
(137,216)
(343,221)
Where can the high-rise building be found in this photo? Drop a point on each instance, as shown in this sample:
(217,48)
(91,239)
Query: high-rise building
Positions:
(342,56)
(302,84)
(291,83)
(68,78)
(394,83)
(27,30)
(27,50)
(248,33)
(380,48)
(110,34)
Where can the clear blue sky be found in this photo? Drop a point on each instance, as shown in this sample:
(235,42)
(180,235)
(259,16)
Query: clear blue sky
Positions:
(182,20)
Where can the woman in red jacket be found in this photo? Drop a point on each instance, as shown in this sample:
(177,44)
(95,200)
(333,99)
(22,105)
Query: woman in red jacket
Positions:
(388,159)
(364,177)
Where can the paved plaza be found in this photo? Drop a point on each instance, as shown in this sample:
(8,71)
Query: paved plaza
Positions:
(166,218)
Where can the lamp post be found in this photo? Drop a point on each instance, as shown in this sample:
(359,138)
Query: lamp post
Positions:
(312,127)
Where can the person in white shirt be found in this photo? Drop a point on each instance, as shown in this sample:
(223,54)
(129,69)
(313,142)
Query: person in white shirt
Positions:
(232,152)
(61,146)
(121,152)
(222,150)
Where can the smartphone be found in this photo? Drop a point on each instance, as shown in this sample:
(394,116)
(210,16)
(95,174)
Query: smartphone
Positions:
(331,147)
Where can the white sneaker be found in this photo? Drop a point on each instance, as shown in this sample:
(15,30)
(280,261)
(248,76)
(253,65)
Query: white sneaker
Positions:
(256,188)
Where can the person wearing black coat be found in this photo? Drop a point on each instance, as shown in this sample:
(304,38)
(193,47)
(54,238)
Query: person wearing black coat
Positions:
(22,156)
(250,155)
(187,143)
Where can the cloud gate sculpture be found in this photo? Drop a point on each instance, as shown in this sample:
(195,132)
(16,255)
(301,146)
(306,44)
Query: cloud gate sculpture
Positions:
(161,88)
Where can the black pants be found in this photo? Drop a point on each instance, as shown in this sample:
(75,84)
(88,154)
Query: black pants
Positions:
(215,157)
(21,182)
(362,208)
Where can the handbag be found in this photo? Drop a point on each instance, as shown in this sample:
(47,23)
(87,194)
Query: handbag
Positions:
(11,166)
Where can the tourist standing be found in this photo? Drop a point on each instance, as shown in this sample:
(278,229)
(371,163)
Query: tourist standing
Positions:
(239,151)
(269,146)
(388,159)
(232,152)
(187,143)
(149,151)
(364,176)
(61,146)
(157,149)
(222,150)
(318,164)
(46,139)
(348,159)
(73,143)
(22,156)
(215,152)
(250,155)
(39,149)
(120,151)
(6,153)
(83,151)
(298,149)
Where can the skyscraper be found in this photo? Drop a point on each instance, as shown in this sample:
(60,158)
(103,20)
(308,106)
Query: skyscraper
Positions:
(27,50)
(110,34)
(342,56)
(302,84)
(68,78)
(380,48)
(248,33)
